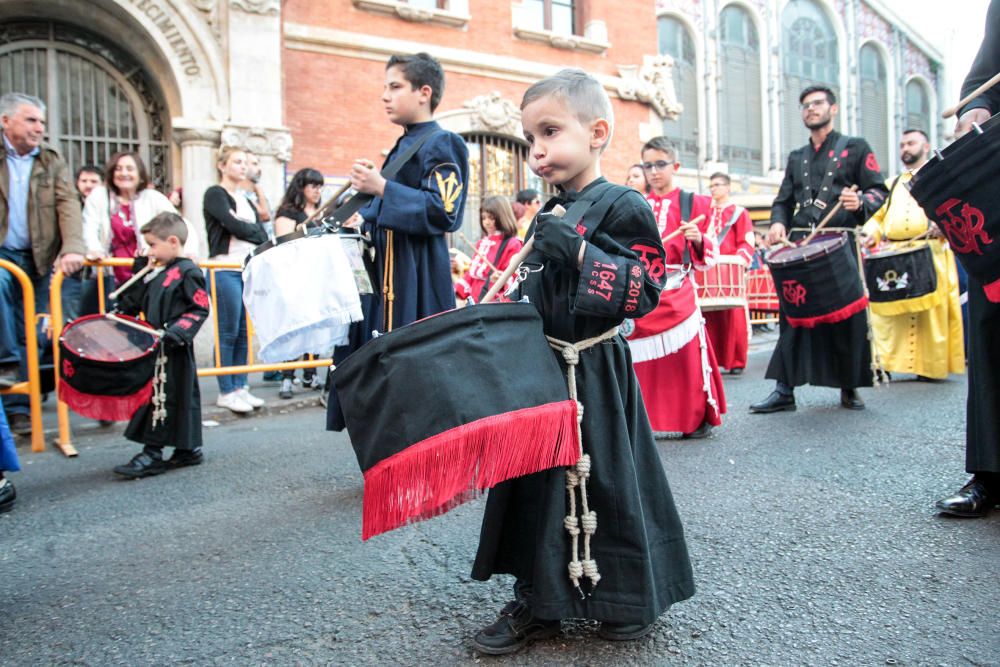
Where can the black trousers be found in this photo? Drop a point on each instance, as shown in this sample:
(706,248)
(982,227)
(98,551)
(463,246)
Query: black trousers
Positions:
(982,431)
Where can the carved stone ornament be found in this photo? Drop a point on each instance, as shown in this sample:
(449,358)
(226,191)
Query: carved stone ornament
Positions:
(261,141)
(257,6)
(492,113)
(652,83)
(210,12)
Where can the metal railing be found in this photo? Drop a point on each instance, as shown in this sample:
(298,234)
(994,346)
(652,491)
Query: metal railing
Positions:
(64,441)
(33,386)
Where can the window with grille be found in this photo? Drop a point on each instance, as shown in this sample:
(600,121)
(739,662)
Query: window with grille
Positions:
(809,57)
(740,119)
(918,107)
(874,103)
(98,99)
(559,16)
(498,165)
(676,41)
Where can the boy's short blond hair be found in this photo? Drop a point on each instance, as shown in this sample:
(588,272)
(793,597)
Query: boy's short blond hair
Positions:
(580,92)
(165,225)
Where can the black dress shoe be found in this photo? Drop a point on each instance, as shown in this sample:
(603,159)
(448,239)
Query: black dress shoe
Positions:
(185,457)
(7,496)
(20,423)
(515,628)
(700,432)
(776,402)
(141,465)
(849,399)
(736,371)
(972,500)
(620,633)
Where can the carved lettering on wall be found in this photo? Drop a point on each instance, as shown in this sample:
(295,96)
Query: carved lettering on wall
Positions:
(162,17)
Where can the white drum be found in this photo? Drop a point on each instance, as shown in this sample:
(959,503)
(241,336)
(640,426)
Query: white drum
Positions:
(302,297)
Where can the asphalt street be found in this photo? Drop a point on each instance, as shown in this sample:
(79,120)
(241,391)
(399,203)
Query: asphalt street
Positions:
(812,534)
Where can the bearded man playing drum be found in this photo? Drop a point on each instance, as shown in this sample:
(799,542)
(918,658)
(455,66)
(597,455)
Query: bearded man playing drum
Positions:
(827,354)
(915,335)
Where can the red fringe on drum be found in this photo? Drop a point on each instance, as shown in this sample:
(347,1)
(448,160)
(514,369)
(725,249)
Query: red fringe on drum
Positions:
(839,315)
(104,408)
(430,477)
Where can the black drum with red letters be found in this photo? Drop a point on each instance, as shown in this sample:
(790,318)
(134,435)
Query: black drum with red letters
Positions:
(818,283)
(957,188)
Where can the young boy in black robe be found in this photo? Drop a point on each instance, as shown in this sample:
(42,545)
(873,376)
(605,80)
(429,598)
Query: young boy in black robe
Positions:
(587,275)
(174,301)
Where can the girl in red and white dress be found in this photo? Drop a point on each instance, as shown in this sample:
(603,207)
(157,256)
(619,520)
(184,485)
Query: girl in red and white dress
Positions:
(673,358)
(729,329)
(497,246)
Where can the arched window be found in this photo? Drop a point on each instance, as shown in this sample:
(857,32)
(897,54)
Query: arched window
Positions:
(740,123)
(98,99)
(809,57)
(874,102)
(498,165)
(918,107)
(676,41)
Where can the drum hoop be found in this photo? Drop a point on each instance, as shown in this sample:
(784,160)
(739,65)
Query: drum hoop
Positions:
(98,316)
(840,239)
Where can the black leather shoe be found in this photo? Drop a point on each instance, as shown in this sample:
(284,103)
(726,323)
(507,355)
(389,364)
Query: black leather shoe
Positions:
(736,371)
(7,497)
(141,465)
(20,423)
(776,402)
(620,633)
(516,627)
(700,432)
(849,399)
(185,457)
(972,500)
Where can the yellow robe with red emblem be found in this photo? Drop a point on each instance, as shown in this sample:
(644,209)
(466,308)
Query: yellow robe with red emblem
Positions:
(929,342)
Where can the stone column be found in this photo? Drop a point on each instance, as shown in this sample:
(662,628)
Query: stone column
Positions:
(198,153)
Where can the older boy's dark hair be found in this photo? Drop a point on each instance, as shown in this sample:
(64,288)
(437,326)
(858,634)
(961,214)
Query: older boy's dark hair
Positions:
(527,195)
(421,69)
(88,169)
(661,144)
(165,225)
(830,97)
(723,176)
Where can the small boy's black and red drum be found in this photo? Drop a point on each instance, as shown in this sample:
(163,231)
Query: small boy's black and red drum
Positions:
(957,188)
(448,406)
(302,294)
(106,366)
(818,283)
(904,276)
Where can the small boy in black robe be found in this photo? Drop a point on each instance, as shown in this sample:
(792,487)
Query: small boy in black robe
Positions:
(585,278)
(174,301)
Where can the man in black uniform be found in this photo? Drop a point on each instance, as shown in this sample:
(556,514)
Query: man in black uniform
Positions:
(817,175)
(982,431)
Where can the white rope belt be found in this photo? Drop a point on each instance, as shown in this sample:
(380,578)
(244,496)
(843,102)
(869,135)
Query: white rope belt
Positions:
(576,476)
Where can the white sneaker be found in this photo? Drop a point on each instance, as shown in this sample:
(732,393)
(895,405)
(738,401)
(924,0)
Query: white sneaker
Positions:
(233,401)
(286,388)
(249,398)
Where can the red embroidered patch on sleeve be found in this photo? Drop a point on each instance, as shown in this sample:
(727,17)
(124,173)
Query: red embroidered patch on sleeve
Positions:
(200,298)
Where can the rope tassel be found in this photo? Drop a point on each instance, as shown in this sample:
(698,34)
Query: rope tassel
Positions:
(577,475)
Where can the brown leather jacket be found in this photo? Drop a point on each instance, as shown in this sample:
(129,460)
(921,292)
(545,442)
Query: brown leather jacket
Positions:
(54,221)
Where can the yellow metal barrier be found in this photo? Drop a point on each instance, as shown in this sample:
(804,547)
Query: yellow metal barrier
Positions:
(64,441)
(33,387)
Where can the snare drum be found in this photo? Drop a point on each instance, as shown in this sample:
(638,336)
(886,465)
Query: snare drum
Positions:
(818,283)
(957,189)
(724,285)
(106,367)
(302,296)
(902,276)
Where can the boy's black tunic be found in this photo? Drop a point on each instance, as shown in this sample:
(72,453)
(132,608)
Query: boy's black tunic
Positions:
(839,354)
(174,300)
(639,544)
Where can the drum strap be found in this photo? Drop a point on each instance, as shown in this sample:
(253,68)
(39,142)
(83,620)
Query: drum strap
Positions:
(812,204)
(729,225)
(496,263)
(687,203)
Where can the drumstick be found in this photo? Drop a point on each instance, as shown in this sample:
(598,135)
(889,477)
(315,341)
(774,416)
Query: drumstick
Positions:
(829,216)
(479,253)
(131,281)
(152,332)
(515,261)
(677,232)
(331,202)
(948,113)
